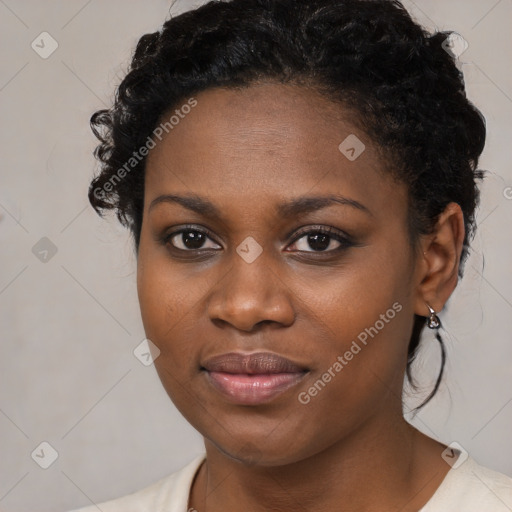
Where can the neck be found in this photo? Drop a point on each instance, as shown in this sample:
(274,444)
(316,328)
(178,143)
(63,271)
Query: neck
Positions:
(384,465)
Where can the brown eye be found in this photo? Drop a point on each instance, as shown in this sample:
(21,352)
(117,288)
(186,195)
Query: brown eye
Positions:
(321,240)
(189,240)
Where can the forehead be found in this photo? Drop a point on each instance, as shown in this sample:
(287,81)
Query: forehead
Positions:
(265,142)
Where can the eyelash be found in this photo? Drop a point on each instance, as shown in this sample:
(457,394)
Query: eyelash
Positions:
(344,240)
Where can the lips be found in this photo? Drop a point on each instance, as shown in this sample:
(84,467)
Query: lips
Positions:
(257,363)
(252,379)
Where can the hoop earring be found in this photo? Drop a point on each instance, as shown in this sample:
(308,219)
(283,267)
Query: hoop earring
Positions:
(433,321)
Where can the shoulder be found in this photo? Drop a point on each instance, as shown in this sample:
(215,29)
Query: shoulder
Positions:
(170,494)
(472,488)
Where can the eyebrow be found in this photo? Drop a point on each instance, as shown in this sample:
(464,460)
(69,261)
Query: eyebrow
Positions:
(297,206)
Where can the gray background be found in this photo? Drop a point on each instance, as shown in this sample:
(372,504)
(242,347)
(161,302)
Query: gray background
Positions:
(68,375)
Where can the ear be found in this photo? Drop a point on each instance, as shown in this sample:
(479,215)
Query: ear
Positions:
(439,261)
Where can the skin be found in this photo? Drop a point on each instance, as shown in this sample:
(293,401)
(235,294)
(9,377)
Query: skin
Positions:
(247,151)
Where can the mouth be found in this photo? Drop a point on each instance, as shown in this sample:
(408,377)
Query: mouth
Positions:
(252,379)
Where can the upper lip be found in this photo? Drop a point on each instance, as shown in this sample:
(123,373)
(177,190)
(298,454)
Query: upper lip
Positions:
(255,363)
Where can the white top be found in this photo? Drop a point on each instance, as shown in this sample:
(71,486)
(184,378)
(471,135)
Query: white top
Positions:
(468,488)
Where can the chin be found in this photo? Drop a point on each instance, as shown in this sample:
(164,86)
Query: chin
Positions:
(255,448)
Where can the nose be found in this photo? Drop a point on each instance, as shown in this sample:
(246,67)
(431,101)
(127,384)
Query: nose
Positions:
(251,294)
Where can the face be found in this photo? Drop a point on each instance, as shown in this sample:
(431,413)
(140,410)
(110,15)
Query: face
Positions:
(275,241)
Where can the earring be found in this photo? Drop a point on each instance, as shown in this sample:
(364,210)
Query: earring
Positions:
(433,321)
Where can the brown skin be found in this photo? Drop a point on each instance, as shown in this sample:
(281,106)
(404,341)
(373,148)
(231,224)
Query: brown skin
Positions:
(248,151)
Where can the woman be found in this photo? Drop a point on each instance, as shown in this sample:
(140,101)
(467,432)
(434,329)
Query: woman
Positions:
(300,181)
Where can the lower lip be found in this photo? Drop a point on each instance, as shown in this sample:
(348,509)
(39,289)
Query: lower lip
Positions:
(253,389)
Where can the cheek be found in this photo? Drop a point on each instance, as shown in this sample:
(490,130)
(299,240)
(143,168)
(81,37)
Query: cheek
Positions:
(362,346)
(365,318)
(370,292)
(166,302)
(358,370)
(167,298)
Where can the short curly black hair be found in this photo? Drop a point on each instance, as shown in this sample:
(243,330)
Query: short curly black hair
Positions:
(400,81)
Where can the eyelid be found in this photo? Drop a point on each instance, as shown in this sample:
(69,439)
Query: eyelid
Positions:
(339,235)
(344,240)
(166,237)
(320,228)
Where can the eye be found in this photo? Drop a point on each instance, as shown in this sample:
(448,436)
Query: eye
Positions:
(321,239)
(189,239)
